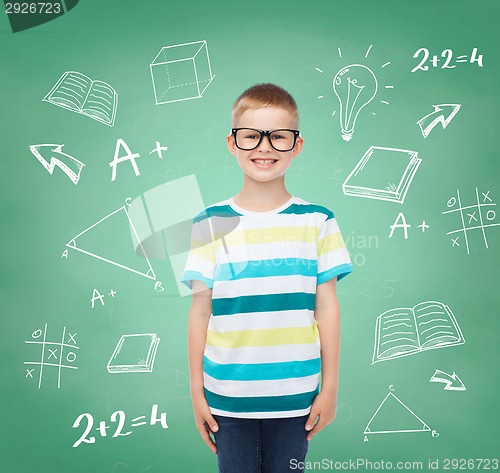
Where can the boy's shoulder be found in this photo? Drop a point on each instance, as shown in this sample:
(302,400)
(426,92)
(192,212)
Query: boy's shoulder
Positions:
(302,206)
(218,209)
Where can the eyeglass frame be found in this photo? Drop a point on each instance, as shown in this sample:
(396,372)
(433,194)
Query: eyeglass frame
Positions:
(262,133)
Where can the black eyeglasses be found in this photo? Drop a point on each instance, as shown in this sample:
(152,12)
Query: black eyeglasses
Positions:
(248,139)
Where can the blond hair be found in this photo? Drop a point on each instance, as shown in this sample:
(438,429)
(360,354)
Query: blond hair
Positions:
(264,95)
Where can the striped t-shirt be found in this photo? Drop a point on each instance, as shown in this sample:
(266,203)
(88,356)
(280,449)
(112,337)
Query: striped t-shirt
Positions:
(262,353)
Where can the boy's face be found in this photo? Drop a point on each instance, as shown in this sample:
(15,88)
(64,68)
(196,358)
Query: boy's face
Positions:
(255,163)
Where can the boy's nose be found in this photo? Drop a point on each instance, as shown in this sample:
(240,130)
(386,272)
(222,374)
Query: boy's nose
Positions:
(265,144)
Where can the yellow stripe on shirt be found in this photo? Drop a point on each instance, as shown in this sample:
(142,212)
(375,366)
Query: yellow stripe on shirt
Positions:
(269,337)
(330,243)
(259,236)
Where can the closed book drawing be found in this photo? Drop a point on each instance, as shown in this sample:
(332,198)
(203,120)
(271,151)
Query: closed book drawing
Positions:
(406,331)
(383,173)
(134,353)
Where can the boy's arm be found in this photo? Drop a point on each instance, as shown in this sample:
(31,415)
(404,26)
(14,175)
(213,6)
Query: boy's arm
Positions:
(199,315)
(327,316)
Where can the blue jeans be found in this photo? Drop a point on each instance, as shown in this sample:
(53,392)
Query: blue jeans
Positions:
(260,445)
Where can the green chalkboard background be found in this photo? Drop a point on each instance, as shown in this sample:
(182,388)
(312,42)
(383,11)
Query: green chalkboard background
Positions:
(248,42)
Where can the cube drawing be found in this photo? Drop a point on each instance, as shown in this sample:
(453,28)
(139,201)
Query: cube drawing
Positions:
(181,72)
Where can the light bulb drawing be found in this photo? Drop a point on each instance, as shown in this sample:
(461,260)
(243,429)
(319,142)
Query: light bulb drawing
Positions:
(355,86)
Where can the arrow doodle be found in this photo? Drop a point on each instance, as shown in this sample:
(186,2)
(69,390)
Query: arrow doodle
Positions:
(427,123)
(453,382)
(69,165)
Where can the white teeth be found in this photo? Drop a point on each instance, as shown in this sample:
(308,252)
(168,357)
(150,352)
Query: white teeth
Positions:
(264,161)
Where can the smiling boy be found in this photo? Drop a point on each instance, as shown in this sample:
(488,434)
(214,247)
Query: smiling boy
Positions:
(264,321)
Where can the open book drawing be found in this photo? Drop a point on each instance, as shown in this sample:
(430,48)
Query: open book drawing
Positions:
(405,331)
(134,354)
(383,173)
(77,92)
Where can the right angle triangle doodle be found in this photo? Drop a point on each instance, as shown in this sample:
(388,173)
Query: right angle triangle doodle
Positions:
(109,240)
(393,416)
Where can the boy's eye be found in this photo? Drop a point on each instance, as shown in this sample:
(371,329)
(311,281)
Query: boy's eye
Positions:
(251,135)
(276,137)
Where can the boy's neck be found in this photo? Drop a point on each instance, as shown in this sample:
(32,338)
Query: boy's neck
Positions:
(262,196)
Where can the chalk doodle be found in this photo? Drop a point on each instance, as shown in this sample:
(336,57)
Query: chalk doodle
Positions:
(97,296)
(134,353)
(442,113)
(124,217)
(355,86)
(408,330)
(451,381)
(158,149)
(472,219)
(401,222)
(393,416)
(120,417)
(423,226)
(447,56)
(54,356)
(68,164)
(181,72)
(129,156)
(383,173)
(76,92)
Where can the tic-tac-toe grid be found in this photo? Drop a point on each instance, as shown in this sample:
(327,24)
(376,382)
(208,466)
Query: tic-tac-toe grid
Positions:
(52,354)
(478,216)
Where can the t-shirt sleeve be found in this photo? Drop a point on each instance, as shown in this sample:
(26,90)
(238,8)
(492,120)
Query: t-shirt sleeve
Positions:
(200,263)
(333,257)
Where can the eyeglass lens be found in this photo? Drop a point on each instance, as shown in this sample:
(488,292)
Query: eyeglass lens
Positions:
(281,140)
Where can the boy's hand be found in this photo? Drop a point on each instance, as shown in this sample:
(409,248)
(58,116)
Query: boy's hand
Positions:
(323,408)
(205,423)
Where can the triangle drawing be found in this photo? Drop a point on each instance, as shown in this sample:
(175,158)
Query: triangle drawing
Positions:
(393,416)
(109,236)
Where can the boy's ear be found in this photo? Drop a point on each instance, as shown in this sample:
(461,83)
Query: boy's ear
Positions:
(231,145)
(298,146)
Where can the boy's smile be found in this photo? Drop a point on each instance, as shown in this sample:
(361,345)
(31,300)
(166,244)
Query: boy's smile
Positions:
(264,163)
